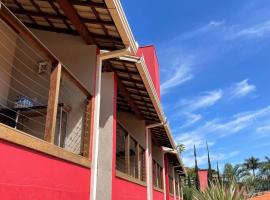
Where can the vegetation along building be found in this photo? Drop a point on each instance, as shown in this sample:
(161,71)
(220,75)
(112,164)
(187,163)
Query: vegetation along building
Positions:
(80,112)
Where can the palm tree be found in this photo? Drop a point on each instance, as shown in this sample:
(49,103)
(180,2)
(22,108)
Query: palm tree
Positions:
(234,173)
(252,163)
(265,166)
(180,148)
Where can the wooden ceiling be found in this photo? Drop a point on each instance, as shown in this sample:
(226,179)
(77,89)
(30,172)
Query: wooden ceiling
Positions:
(88,18)
(92,21)
(133,97)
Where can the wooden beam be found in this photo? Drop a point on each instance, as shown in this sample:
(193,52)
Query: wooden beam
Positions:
(53,104)
(73,16)
(127,154)
(21,138)
(60,16)
(129,99)
(84,3)
(138,160)
(88,128)
(73,32)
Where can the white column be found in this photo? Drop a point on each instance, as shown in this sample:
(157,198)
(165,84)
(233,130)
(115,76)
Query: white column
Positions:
(164,175)
(149,165)
(95,134)
(174,188)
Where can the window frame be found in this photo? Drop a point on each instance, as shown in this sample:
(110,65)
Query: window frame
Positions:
(139,177)
(158,181)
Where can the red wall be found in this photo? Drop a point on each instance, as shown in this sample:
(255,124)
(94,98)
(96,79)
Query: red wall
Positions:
(171,197)
(157,195)
(26,174)
(203,179)
(125,190)
(122,189)
(151,60)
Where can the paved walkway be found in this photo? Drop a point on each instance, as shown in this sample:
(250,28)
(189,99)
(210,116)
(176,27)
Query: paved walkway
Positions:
(265,196)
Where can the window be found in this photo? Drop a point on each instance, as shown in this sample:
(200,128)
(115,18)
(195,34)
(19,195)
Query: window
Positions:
(157,175)
(121,136)
(130,155)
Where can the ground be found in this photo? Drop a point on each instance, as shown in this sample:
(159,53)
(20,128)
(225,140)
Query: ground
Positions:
(265,196)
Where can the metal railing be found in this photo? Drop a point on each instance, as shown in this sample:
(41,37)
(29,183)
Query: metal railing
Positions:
(38,94)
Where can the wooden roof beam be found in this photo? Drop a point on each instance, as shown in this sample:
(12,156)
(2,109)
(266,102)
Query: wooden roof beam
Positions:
(59,16)
(73,16)
(129,99)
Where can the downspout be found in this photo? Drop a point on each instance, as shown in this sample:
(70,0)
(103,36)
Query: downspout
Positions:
(166,173)
(148,151)
(94,167)
(178,188)
(174,188)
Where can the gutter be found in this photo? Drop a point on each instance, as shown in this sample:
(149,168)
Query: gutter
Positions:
(118,15)
(94,168)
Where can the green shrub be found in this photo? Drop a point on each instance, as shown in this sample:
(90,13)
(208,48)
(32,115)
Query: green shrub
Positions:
(219,192)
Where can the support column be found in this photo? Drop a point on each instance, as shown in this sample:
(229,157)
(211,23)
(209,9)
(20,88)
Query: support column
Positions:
(174,186)
(94,166)
(166,166)
(52,103)
(149,178)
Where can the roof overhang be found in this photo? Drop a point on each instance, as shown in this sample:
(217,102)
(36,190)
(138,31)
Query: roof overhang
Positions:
(99,22)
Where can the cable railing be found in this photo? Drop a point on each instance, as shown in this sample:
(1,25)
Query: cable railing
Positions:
(38,94)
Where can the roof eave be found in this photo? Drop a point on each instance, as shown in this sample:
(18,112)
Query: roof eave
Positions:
(121,22)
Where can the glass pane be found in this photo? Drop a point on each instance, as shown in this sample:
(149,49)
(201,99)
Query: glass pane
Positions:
(133,158)
(120,148)
(142,163)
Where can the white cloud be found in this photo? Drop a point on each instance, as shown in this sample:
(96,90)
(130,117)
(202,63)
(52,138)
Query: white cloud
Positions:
(265,128)
(261,29)
(241,89)
(239,122)
(178,75)
(191,119)
(205,100)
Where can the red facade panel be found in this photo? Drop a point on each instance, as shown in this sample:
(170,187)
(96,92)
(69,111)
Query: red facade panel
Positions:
(27,174)
(151,60)
(157,195)
(126,190)
(203,179)
(171,197)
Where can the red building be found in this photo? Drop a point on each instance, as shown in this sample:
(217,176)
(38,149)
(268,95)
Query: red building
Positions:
(80,111)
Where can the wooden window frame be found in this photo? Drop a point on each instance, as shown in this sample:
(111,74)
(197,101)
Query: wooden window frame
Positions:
(158,176)
(127,174)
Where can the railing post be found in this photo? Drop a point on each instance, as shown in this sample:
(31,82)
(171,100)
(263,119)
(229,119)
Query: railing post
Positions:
(53,103)
(88,128)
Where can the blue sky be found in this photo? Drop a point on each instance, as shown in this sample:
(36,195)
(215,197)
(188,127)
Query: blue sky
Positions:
(215,71)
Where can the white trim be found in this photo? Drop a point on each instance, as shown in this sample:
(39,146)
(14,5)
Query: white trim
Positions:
(122,25)
(148,152)
(174,188)
(93,185)
(94,171)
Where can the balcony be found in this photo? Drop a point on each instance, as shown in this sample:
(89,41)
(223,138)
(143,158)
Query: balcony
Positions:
(40,96)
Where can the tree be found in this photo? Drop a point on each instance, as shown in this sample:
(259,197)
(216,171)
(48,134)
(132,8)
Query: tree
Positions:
(265,166)
(234,173)
(252,163)
(180,148)
(219,179)
(197,181)
(209,174)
